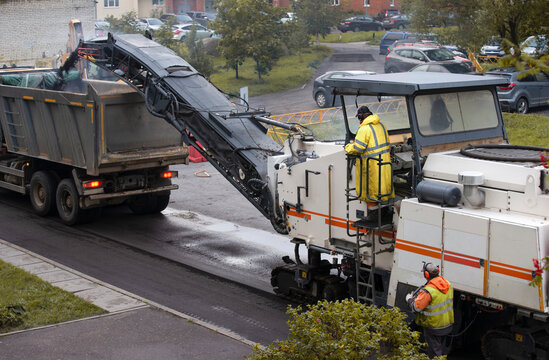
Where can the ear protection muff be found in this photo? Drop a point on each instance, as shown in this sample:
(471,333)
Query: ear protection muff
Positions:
(430,273)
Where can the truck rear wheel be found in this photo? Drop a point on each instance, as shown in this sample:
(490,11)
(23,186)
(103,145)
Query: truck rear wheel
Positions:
(68,206)
(42,192)
(149,203)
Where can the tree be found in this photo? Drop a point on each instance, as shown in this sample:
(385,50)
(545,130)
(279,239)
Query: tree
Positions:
(231,26)
(197,55)
(316,15)
(248,28)
(344,330)
(126,24)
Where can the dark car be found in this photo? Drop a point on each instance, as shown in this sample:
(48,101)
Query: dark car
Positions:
(360,23)
(396,22)
(392,36)
(178,18)
(200,17)
(387,13)
(444,67)
(522,94)
(322,93)
(404,58)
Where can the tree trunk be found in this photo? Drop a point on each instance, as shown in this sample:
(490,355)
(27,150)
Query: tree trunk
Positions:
(236,70)
(258,70)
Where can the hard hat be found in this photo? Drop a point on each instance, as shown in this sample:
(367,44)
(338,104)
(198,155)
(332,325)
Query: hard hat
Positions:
(430,271)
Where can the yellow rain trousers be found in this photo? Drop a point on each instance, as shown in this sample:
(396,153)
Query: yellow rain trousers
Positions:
(371,141)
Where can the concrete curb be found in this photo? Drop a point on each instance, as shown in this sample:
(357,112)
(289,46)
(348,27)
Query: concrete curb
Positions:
(136,302)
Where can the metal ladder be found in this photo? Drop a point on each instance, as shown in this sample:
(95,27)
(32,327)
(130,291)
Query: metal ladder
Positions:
(367,233)
(14,127)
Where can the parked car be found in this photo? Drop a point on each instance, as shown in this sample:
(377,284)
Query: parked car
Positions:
(322,93)
(444,67)
(289,16)
(200,17)
(522,94)
(411,41)
(492,48)
(396,22)
(180,31)
(178,18)
(387,13)
(535,45)
(150,24)
(101,28)
(392,36)
(406,57)
(360,23)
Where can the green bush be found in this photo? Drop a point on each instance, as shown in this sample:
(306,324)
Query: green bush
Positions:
(344,330)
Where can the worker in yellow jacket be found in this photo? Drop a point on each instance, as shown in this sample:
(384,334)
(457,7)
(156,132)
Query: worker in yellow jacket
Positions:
(371,141)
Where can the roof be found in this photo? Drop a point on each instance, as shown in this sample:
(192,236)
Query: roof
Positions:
(408,83)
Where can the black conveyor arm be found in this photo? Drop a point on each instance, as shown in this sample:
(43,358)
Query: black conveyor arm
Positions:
(236,144)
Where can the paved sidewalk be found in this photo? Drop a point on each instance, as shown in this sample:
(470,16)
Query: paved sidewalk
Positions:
(134,328)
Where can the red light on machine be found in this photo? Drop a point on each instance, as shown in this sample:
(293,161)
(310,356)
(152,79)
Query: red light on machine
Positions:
(94,184)
(168,174)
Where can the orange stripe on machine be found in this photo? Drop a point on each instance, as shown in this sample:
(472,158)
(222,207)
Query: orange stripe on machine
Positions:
(462,259)
(509,270)
(417,248)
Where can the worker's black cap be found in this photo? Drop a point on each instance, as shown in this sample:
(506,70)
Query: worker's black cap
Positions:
(363,110)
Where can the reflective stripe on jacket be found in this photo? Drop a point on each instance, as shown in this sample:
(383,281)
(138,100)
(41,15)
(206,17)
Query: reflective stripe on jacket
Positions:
(372,140)
(440,311)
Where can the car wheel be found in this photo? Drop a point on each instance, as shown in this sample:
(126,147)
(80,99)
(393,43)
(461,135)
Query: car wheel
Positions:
(321,100)
(401,27)
(182,39)
(522,106)
(379,28)
(356,29)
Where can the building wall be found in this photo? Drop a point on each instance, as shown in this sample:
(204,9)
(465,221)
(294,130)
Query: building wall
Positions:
(148,9)
(124,7)
(375,6)
(31,29)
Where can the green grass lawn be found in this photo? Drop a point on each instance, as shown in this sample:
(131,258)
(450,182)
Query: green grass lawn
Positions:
(528,129)
(288,73)
(26,301)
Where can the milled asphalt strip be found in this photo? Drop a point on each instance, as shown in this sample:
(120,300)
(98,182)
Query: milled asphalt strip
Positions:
(92,290)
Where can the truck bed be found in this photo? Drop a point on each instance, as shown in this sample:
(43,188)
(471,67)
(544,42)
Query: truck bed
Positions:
(99,126)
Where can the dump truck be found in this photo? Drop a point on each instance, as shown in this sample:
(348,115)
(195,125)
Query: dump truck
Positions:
(466,200)
(76,145)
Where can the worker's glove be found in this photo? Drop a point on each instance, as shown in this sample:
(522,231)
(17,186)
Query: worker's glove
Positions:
(409,297)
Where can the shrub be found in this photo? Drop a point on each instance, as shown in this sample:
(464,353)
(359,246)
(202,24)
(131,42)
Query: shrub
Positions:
(11,316)
(344,330)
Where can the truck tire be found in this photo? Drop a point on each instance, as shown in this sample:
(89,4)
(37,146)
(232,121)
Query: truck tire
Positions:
(68,204)
(162,202)
(149,203)
(142,204)
(42,192)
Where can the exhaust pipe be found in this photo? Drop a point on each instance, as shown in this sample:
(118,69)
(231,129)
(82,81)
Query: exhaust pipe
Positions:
(472,195)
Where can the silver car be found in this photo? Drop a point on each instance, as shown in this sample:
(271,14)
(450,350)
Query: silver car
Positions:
(181,31)
(404,58)
(522,94)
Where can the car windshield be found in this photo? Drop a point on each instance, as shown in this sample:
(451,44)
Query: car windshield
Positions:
(455,112)
(439,54)
(184,18)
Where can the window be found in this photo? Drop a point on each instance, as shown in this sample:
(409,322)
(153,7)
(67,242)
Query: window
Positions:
(392,3)
(455,112)
(335,2)
(110,3)
(366,3)
(158,2)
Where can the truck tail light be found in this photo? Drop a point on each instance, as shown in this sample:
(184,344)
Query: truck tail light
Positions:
(169,174)
(508,87)
(92,184)
(347,22)
(177,32)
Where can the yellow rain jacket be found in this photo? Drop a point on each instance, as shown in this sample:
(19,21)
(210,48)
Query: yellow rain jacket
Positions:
(371,141)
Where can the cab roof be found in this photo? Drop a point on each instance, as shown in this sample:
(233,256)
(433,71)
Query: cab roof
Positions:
(408,83)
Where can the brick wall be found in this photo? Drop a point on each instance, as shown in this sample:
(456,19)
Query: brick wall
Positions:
(31,29)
